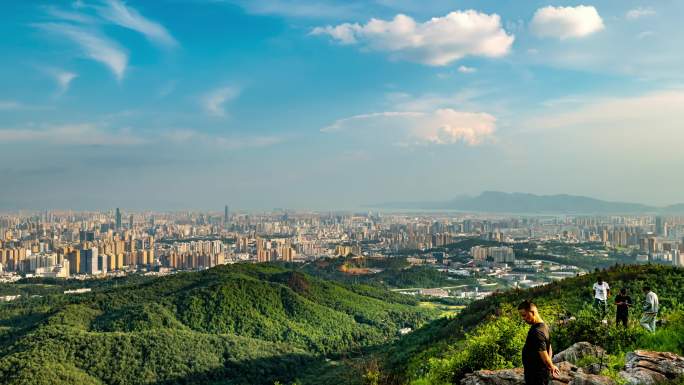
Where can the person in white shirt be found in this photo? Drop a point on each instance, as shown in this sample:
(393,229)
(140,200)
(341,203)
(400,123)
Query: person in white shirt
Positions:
(601,294)
(651,308)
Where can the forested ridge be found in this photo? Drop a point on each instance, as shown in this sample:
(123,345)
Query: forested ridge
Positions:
(239,324)
(268,324)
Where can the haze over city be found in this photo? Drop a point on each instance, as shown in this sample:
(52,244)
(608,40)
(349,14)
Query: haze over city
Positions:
(334,105)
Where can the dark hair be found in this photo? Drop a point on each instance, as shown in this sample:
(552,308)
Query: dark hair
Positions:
(647,288)
(599,279)
(623,290)
(526,305)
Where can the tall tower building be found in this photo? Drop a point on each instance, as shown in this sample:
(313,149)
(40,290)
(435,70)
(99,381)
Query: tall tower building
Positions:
(130,222)
(118,219)
(225,215)
(659,226)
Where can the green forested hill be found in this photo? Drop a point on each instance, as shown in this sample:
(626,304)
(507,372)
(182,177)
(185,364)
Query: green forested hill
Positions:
(240,324)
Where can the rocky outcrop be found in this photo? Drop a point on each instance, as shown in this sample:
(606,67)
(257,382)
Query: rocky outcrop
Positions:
(569,375)
(641,368)
(578,351)
(495,377)
(648,368)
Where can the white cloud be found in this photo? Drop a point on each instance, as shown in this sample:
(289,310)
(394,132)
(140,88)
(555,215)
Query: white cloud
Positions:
(94,45)
(566,22)
(214,101)
(639,12)
(406,128)
(118,13)
(74,134)
(436,42)
(466,70)
(64,79)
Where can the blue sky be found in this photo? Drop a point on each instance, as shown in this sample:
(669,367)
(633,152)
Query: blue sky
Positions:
(322,104)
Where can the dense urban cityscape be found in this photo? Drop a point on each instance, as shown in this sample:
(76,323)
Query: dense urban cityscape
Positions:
(503,251)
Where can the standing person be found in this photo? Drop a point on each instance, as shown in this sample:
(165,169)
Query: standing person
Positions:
(537,352)
(651,307)
(601,294)
(623,302)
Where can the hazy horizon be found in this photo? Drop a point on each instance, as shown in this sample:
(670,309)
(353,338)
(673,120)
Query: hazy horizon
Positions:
(328,104)
(386,207)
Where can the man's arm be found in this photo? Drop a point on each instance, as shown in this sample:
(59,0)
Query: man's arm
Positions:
(546,358)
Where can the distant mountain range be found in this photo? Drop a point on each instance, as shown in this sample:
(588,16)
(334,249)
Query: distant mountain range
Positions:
(502,202)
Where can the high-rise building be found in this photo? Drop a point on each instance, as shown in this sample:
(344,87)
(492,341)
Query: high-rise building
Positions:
(118,219)
(659,226)
(75,262)
(225,215)
(478,253)
(90,258)
(263,250)
(502,254)
(130,222)
(102,263)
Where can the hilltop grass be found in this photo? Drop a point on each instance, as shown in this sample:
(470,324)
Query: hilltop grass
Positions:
(488,334)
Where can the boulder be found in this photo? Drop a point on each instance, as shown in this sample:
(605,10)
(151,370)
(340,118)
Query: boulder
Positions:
(516,376)
(495,377)
(641,368)
(577,351)
(648,368)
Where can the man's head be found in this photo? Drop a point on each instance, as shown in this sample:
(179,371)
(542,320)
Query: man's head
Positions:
(646,289)
(599,280)
(528,311)
(623,291)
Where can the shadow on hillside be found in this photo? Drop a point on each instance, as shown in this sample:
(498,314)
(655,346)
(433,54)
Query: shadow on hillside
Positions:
(285,369)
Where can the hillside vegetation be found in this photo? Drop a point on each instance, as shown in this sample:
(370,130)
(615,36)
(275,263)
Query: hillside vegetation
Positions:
(240,324)
(488,334)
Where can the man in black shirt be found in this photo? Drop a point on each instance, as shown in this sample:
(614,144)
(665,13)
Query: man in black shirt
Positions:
(537,352)
(623,302)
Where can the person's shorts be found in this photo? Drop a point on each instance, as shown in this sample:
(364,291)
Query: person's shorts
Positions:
(537,378)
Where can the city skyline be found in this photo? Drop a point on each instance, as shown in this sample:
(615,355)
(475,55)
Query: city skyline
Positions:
(336,105)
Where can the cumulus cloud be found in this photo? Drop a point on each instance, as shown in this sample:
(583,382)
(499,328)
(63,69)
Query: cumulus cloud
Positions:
(566,22)
(120,14)
(639,12)
(436,42)
(71,134)
(93,44)
(406,128)
(214,101)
